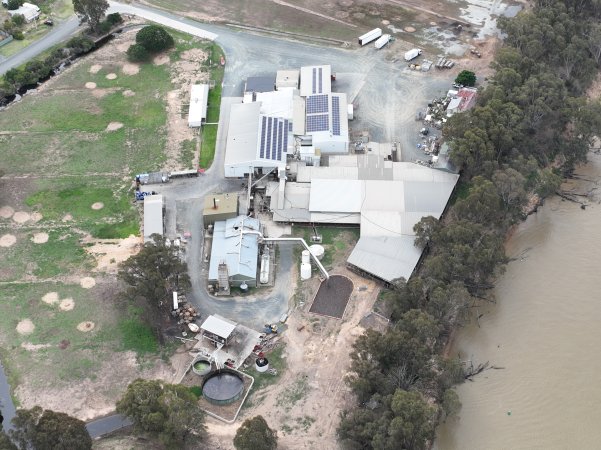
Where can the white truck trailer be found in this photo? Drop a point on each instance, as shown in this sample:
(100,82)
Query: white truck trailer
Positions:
(412,54)
(370,36)
(382,41)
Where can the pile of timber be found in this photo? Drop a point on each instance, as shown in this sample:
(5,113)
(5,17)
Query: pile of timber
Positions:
(444,63)
(185,314)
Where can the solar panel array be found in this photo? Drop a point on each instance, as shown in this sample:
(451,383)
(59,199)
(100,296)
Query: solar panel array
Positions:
(274,138)
(317,104)
(317,85)
(318,122)
(314,85)
(336,116)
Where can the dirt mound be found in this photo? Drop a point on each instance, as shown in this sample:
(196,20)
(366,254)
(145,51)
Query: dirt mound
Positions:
(40,238)
(95,68)
(67,304)
(114,126)
(26,326)
(7,240)
(35,217)
(98,205)
(111,76)
(128,93)
(34,347)
(90,85)
(64,344)
(67,217)
(159,60)
(409,29)
(130,69)
(50,298)
(21,217)
(87,282)
(86,326)
(6,212)
(386,22)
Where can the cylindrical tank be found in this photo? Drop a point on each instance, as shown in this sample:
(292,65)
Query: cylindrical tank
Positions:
(244,287)
(264,278)
(201,366)
(261,364)
(317,250)
(305,256)
(305,271)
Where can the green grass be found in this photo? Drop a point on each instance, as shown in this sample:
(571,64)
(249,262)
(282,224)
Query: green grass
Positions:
(188,148)
(196,390)
(262,380)
(295,392)
(207,147)
(138,336)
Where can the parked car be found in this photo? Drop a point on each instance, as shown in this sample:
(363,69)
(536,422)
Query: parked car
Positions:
(48,22)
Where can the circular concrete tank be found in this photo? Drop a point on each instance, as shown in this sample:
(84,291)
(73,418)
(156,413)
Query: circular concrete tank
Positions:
(317,250)
(201,366)
(223,387)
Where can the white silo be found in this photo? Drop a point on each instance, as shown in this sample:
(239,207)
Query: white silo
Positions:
(305,272)
(305,257)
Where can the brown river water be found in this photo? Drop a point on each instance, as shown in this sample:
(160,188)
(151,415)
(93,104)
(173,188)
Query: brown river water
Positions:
(545,330)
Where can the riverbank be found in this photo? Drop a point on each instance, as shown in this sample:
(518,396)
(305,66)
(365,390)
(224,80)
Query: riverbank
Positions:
(542,330)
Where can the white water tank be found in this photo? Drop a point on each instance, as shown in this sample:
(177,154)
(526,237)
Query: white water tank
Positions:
(305,271)
(261,364)
(305,256)
(317,250)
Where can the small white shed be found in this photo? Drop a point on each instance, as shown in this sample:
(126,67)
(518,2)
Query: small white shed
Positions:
(199,97)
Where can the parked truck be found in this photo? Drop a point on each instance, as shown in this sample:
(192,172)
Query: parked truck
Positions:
(382,41)
(152,178)
(370,36)
(412,54)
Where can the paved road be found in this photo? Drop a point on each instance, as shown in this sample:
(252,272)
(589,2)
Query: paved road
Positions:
(105,425)
(60,32)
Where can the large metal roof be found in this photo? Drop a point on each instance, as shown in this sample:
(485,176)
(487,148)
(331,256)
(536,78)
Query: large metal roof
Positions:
(153,216)
(243,133)
(219,326)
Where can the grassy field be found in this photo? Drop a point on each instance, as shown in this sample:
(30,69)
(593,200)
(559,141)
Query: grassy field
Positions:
(336,242)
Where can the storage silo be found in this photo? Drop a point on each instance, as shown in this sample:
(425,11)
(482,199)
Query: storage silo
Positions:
(305,271)
(305,257)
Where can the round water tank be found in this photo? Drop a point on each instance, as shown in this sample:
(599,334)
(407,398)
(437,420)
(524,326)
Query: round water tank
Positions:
(305,256)
(261,364)
(317,250)
(305,271)
(244,287)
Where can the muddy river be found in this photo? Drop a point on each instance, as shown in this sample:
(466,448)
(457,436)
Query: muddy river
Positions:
(545,330)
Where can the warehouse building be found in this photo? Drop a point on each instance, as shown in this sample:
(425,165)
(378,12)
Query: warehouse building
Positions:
(234,253)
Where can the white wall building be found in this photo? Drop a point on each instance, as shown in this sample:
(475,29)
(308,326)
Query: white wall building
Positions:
(199,97)
(27,10)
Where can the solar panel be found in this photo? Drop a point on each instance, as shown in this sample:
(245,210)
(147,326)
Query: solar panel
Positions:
(280,132)
(318,122)
(268,140)
(286,137)
(314,80)
(289,126)
(262,148)
(274,140)
(317,104)
(320,80)
(336,116)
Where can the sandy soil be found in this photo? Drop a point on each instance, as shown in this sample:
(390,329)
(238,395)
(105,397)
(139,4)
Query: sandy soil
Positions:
(100,205)
(86,326)
(6,212)
(8,240)
(50,298)
(35,217)
(159,60)
(128,93)
(25,326)
(21,217)
(34,347)
(111,76)
(90,85)
(109,253)
(130,69)
(87,282)
(67,218)
(318,348)
(95,68)
(114,126)
(40,238)
(67,304)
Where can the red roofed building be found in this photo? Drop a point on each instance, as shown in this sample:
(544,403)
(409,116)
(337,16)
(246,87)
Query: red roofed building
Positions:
(462,101)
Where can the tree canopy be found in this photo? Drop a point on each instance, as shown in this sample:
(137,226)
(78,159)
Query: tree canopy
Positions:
(255,434)
(154,38)
(91,11)
(466,78)
(167,411)
(41,429)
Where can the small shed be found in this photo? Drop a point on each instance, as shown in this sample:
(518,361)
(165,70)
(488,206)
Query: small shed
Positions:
(28,10)
(219,207)
(287,79)
(218,329)
(199,97)
(153,216)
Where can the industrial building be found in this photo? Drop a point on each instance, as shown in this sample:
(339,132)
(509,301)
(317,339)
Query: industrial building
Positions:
(271,128)
(199,97)
(219,207)
(153,216)
(234,253)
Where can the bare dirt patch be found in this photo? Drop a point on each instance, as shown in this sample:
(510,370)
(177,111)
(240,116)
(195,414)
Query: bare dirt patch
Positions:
(114,126)
(99,93)
(95,68)
(34,347)
(50,298)
(67,304)
(87,282)
(35,217)
(90,85)
(86,326)
(40,238)
(25,326)
(188,70)
(111,76)
(8,240)
(109,253)
(100,205)
(130,69)
(128,93)
(67,218)
(159,60)
(21,216)
(6,212)
(409,29)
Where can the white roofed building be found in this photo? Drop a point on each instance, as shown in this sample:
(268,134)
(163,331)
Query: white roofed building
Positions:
(199,97)
(153,216)
(28,10)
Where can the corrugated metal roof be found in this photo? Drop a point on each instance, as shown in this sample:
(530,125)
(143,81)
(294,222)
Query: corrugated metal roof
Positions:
(311,81)
(243,133)
(153,216)
(336,196)
(199,96)
(218,325)
(276,103)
